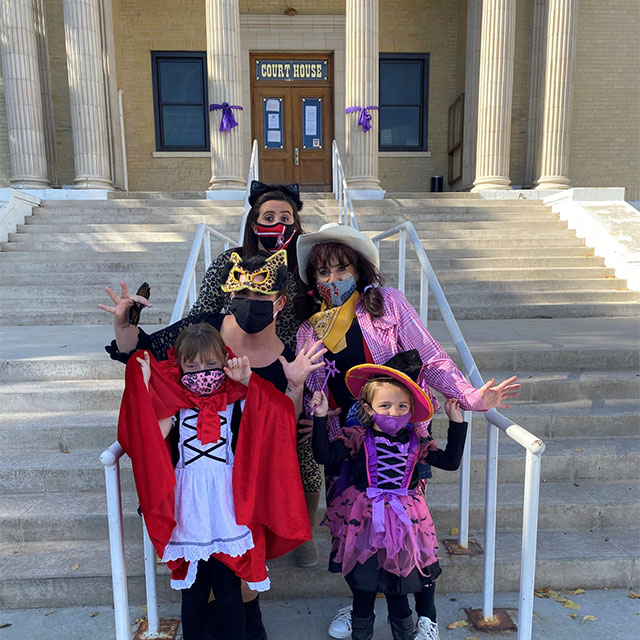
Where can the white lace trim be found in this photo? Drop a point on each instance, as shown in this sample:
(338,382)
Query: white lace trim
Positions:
(263,585)
(194,552)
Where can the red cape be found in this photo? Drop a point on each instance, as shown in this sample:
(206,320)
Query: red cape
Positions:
(267,488)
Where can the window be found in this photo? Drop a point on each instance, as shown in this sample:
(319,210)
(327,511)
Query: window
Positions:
(180,100)
(404,89)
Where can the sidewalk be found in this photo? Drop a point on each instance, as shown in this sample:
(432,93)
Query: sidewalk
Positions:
(618,617)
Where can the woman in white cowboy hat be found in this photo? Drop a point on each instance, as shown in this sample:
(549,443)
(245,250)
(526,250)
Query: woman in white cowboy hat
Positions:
(359,320)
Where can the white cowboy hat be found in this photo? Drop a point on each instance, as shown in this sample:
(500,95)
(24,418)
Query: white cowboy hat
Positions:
(334,232)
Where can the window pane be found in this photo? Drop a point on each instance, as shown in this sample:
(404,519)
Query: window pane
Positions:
(183,126)
(180,81)
(400,82)
(400,127)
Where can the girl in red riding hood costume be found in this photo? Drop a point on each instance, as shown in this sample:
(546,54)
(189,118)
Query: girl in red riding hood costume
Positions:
(230,503)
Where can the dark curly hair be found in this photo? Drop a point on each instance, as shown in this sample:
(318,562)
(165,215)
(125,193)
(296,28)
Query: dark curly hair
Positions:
(250,241)
(323,255)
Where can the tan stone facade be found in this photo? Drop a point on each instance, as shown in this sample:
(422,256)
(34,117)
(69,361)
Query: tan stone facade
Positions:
(604,118)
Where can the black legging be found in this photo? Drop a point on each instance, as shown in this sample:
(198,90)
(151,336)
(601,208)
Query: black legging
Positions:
(212,574)
(425,602)
(364,603)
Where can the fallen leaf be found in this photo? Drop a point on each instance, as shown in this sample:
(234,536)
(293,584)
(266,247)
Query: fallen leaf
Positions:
(454,531)
(569,604)
(62,448)
(472,638)
(4,625)
(94,614)
(573,615)
(49,613)
(579,449)
(574,592)
(589,618)
(458,624)
(75,567)
(634,595)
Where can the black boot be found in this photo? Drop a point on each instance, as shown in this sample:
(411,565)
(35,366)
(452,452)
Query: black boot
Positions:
(254,629)
(362,628)
(402,628)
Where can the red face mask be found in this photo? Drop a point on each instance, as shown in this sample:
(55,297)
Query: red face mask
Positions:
(275,236)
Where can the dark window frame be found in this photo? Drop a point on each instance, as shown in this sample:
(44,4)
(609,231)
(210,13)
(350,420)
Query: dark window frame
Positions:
(424,93)
(158,105)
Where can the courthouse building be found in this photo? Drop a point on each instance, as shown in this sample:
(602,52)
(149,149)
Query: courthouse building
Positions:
(489,94)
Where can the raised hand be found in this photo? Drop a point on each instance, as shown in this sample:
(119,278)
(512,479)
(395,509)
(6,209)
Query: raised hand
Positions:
(239,369)
(452,409)
(145,365)
(122,304)
(319,404)
(494,396)
(308,359)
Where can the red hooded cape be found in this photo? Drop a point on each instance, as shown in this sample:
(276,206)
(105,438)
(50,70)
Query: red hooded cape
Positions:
(267,488)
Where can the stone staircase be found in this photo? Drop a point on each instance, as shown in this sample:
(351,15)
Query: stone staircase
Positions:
(59,392)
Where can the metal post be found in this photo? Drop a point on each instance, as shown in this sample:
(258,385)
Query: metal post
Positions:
(207,249)
(529,539)
(424,298)
(150,583)
(490,508)
(465,483)
(402,256)
(116,542)
(193,294)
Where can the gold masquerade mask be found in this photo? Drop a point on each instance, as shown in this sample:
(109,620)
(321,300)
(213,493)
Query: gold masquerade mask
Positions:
(265,279)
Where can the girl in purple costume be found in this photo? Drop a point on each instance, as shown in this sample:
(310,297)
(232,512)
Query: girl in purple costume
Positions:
(383,537)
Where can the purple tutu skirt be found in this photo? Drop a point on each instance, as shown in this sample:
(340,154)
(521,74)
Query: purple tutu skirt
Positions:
(400,547)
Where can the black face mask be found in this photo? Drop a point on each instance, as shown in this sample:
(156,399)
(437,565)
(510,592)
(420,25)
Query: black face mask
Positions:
(251,315)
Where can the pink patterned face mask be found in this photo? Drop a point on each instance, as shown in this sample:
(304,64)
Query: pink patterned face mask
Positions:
(203,382)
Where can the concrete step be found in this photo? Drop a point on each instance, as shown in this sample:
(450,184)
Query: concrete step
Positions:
(59,430)
(564,506)
(157,315)
(69,573)
(539,387)
(552,310)
(574,459)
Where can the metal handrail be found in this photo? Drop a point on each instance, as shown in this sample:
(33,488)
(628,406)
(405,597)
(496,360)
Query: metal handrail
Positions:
(253,175)
(188,284)
(346,213)
(533,446)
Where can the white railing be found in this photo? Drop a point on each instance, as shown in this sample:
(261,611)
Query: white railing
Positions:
(346,214)
(495,421)
(253,175)
(110,457)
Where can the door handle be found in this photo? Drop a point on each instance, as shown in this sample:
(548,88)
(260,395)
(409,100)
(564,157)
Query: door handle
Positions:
(296,156)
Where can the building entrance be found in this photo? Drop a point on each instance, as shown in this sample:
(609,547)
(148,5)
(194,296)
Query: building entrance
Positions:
(292,117)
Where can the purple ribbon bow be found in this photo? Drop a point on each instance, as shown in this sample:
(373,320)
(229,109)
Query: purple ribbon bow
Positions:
(228,121)
(378,497)
(364,120)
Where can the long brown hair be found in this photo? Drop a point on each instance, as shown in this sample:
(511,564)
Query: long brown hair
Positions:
(369,278)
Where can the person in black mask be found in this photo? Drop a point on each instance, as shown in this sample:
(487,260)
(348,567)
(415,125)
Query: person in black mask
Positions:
(273,224)
(256,287)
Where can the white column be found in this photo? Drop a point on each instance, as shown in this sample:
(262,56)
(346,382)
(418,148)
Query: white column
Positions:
(558,94)
(45,91)
(22,95)
(536,87)
(495,95)
(223,63)
(361,90)
(472,72)
(87,93)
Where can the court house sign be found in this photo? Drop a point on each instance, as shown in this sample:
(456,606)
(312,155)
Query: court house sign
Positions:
(291,70)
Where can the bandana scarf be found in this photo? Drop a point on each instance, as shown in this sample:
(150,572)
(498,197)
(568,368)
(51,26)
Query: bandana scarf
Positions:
(332,323)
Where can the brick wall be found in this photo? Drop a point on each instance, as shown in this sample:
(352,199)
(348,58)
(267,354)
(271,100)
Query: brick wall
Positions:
(605,133)
(605,141)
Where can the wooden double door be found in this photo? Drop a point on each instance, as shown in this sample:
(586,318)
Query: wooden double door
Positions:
(293,123)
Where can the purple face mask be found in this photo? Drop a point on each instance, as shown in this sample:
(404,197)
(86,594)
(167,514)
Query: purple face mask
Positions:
(391,425)
(203,382)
